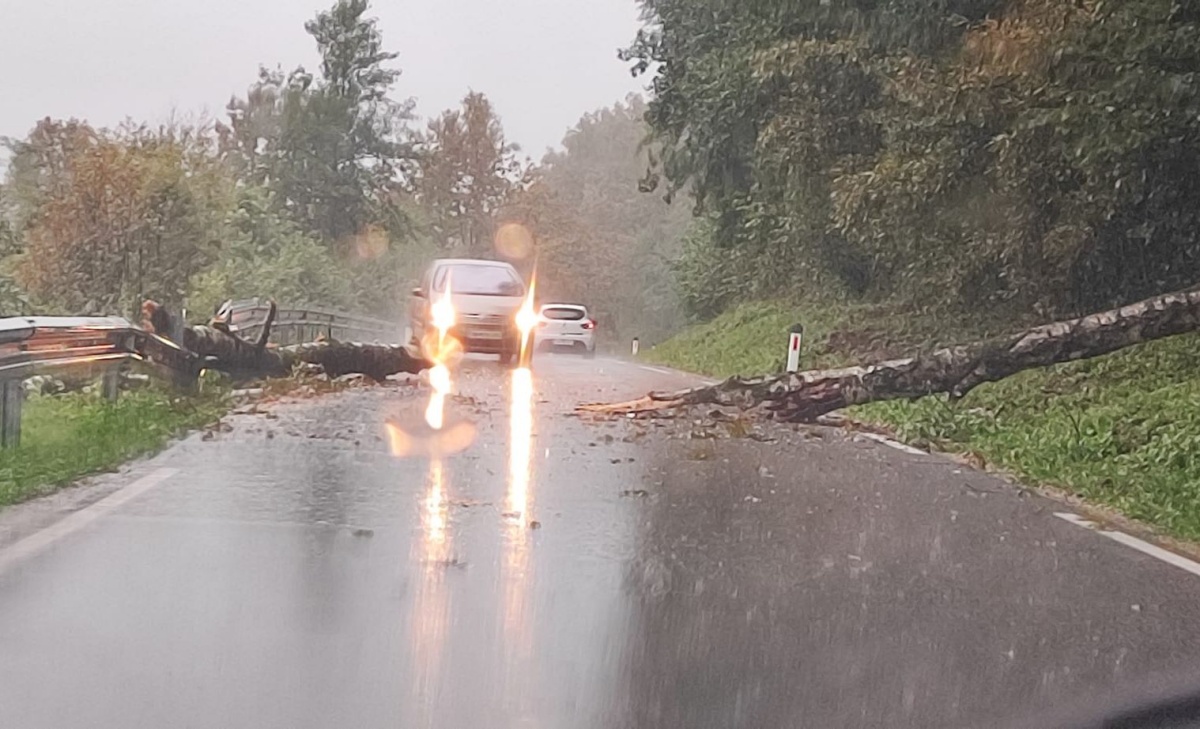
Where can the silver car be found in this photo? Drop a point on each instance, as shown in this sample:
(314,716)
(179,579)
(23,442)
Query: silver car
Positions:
(486,296)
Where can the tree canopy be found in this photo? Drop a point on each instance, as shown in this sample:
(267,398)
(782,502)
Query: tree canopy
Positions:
(301,191)
(1032,154)
(333,146)
(467,173)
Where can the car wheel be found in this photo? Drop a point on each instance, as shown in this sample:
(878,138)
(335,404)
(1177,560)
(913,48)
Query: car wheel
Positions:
(589,352)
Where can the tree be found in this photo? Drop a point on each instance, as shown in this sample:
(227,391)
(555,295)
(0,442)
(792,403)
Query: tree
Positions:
(13,301)
(110,216)
(805,396)
(467,172)
(332,147)
(265,254)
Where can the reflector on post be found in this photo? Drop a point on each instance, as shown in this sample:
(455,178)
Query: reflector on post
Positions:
(795,342)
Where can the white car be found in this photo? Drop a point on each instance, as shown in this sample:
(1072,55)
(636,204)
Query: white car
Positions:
(566,325)
(486,297)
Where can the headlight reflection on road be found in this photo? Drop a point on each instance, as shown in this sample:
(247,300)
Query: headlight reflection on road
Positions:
(435,513)
(519,507)
(520,442)
(521,418)
(431,609)
(436,437)
(439,379)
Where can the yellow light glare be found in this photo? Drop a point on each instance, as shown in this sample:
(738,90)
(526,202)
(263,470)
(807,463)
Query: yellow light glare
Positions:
(439,379)
(527,319)
(442,312)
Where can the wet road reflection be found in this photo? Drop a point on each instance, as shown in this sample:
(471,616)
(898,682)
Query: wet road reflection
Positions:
(520,444)
(515,576)
(310,579)
(431,610)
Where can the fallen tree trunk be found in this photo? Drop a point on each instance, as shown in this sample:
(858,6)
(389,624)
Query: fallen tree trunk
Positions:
(220,349)
(376,361)
(805,396)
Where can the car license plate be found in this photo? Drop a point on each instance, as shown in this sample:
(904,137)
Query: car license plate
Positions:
(485,334)
(564,342)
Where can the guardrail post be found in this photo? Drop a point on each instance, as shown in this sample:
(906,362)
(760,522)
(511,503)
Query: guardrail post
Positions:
(12,395)
(110,384)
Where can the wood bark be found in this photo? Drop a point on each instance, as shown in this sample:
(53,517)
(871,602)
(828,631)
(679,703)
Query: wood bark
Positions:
(220,349)
(805,396)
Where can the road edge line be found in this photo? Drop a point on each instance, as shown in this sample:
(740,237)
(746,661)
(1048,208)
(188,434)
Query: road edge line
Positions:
(40,540)
(893,444)
(1133,542)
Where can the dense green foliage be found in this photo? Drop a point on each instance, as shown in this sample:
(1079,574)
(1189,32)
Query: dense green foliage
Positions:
(267,252)
(68,436)
(1038,155)
(1121,430)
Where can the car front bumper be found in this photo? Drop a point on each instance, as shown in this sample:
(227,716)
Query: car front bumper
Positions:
(487,340)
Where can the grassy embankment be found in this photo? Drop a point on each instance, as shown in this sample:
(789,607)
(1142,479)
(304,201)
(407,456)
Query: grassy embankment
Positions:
(1121,430)
(68,436)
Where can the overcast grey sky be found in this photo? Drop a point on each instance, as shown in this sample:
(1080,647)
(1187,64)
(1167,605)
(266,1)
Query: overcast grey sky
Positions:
(543,62)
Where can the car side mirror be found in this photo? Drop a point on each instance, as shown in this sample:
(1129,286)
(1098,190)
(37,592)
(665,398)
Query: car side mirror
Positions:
(417,292)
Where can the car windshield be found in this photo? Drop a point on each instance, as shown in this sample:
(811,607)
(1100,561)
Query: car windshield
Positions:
(883,409)
(479,280)
(563,313)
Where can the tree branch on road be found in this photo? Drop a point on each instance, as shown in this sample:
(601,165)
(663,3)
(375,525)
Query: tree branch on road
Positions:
(805,396)
(226,352)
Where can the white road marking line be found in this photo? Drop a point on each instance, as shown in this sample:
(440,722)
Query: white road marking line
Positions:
(659,370)
(894,444)
(38,541)
(1144,547)
(664,371)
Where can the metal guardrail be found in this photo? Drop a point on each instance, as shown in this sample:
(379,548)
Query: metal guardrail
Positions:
(293,326)
(92,345)
(106,345)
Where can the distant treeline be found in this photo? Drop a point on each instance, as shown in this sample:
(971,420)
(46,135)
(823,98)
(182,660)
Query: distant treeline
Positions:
(320,187)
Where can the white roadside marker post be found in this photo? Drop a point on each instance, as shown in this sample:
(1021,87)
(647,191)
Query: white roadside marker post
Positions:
(637,345)
(795,341)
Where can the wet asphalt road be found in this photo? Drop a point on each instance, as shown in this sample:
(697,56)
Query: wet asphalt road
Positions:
(289,572)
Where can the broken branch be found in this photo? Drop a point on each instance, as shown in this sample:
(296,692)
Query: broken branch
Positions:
(805,396)
(224,351)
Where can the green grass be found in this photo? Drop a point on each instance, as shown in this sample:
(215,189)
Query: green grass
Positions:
(1121,430)
(69,436)
(750,339)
